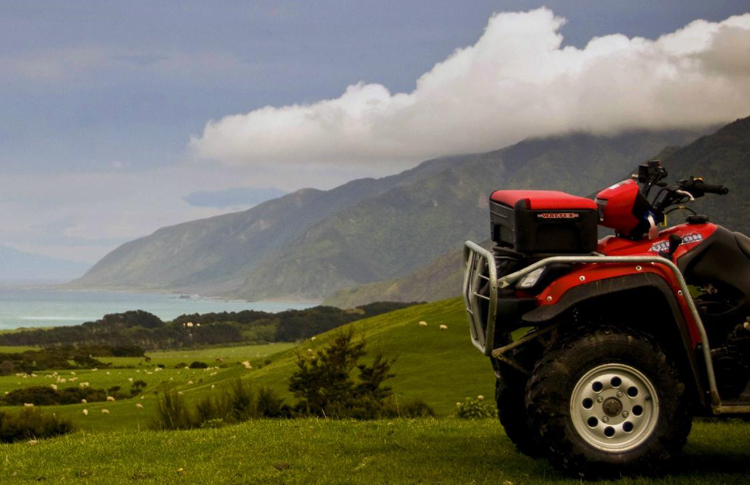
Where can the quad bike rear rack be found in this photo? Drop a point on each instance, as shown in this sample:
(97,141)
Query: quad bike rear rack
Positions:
(482,284)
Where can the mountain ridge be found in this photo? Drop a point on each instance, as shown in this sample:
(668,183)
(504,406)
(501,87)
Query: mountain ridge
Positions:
(310,244)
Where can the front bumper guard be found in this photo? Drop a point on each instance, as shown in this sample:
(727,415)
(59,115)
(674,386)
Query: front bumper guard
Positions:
(480,293)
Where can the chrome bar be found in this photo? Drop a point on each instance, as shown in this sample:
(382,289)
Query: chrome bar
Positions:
(476,261)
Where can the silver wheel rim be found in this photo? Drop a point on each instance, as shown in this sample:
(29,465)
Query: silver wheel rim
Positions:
(614,407)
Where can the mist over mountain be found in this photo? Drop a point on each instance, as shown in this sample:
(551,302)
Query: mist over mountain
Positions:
(311,243)
(21,267)
(720,158)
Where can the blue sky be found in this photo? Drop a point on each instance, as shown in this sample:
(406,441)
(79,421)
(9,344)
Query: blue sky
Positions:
(99,100)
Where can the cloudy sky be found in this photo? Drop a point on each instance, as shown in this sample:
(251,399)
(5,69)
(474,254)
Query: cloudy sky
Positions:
(118,119)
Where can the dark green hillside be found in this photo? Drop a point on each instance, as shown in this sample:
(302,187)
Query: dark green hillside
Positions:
(311,243)
(720,158)
(146,331)
(393,234)
(215,255)
(437,280)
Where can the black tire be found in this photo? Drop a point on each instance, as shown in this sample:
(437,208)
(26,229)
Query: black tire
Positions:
(510,396)
(570,366)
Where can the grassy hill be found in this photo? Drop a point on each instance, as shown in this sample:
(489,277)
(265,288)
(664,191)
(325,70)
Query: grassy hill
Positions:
(438,366)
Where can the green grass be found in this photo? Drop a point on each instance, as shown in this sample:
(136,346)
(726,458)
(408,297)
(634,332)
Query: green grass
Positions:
(439,366)
(228,355)
(446,451)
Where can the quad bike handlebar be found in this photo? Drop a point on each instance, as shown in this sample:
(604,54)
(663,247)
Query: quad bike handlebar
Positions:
(686,190)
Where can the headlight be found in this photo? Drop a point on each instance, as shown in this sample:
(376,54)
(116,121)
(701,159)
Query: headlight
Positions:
(530,279)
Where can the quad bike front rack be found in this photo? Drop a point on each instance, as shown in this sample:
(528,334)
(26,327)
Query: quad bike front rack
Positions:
(480,293)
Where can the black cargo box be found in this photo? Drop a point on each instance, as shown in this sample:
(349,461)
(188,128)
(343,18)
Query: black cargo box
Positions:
(538,222)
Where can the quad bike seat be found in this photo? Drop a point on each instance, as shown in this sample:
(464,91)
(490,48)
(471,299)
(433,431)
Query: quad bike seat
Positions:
(743,242)
(543,200)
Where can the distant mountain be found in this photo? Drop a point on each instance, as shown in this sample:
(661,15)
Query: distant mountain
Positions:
(720,158)
(215,256)
(21,267)
(394,233)
(311,243)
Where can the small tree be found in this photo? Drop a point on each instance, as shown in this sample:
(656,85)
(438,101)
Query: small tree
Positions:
(172,412)
(324,385)
(6,368)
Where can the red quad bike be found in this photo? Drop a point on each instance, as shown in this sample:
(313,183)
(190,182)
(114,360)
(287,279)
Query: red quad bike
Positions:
(605,350)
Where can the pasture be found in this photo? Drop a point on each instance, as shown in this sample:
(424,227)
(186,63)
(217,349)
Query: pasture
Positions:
(448,451)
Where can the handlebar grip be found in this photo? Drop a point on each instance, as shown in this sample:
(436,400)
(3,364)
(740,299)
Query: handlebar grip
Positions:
(711,189)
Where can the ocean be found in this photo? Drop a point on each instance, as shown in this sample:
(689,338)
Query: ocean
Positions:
(51,308)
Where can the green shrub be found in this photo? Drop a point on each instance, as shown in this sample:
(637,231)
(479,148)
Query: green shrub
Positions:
(243,404)
(474,409)
(172,412)
(6,368)
(270,405)
(232,405)
(29,423)
(325,387)
(46,396)
(414,408)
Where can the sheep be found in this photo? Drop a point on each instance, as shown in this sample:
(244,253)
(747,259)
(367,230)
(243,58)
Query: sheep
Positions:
(85,412)
(130,379)
(83,385)
(190,383)
(422,323)
(53,386)
(84,401)
(105,411)
(72,373)
(28,404)
(480,398)
(110,398)
(212,387)
(443,327)
(313,339)
(139,405)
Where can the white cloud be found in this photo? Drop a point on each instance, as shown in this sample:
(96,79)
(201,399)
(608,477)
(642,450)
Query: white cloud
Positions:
(515,82)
